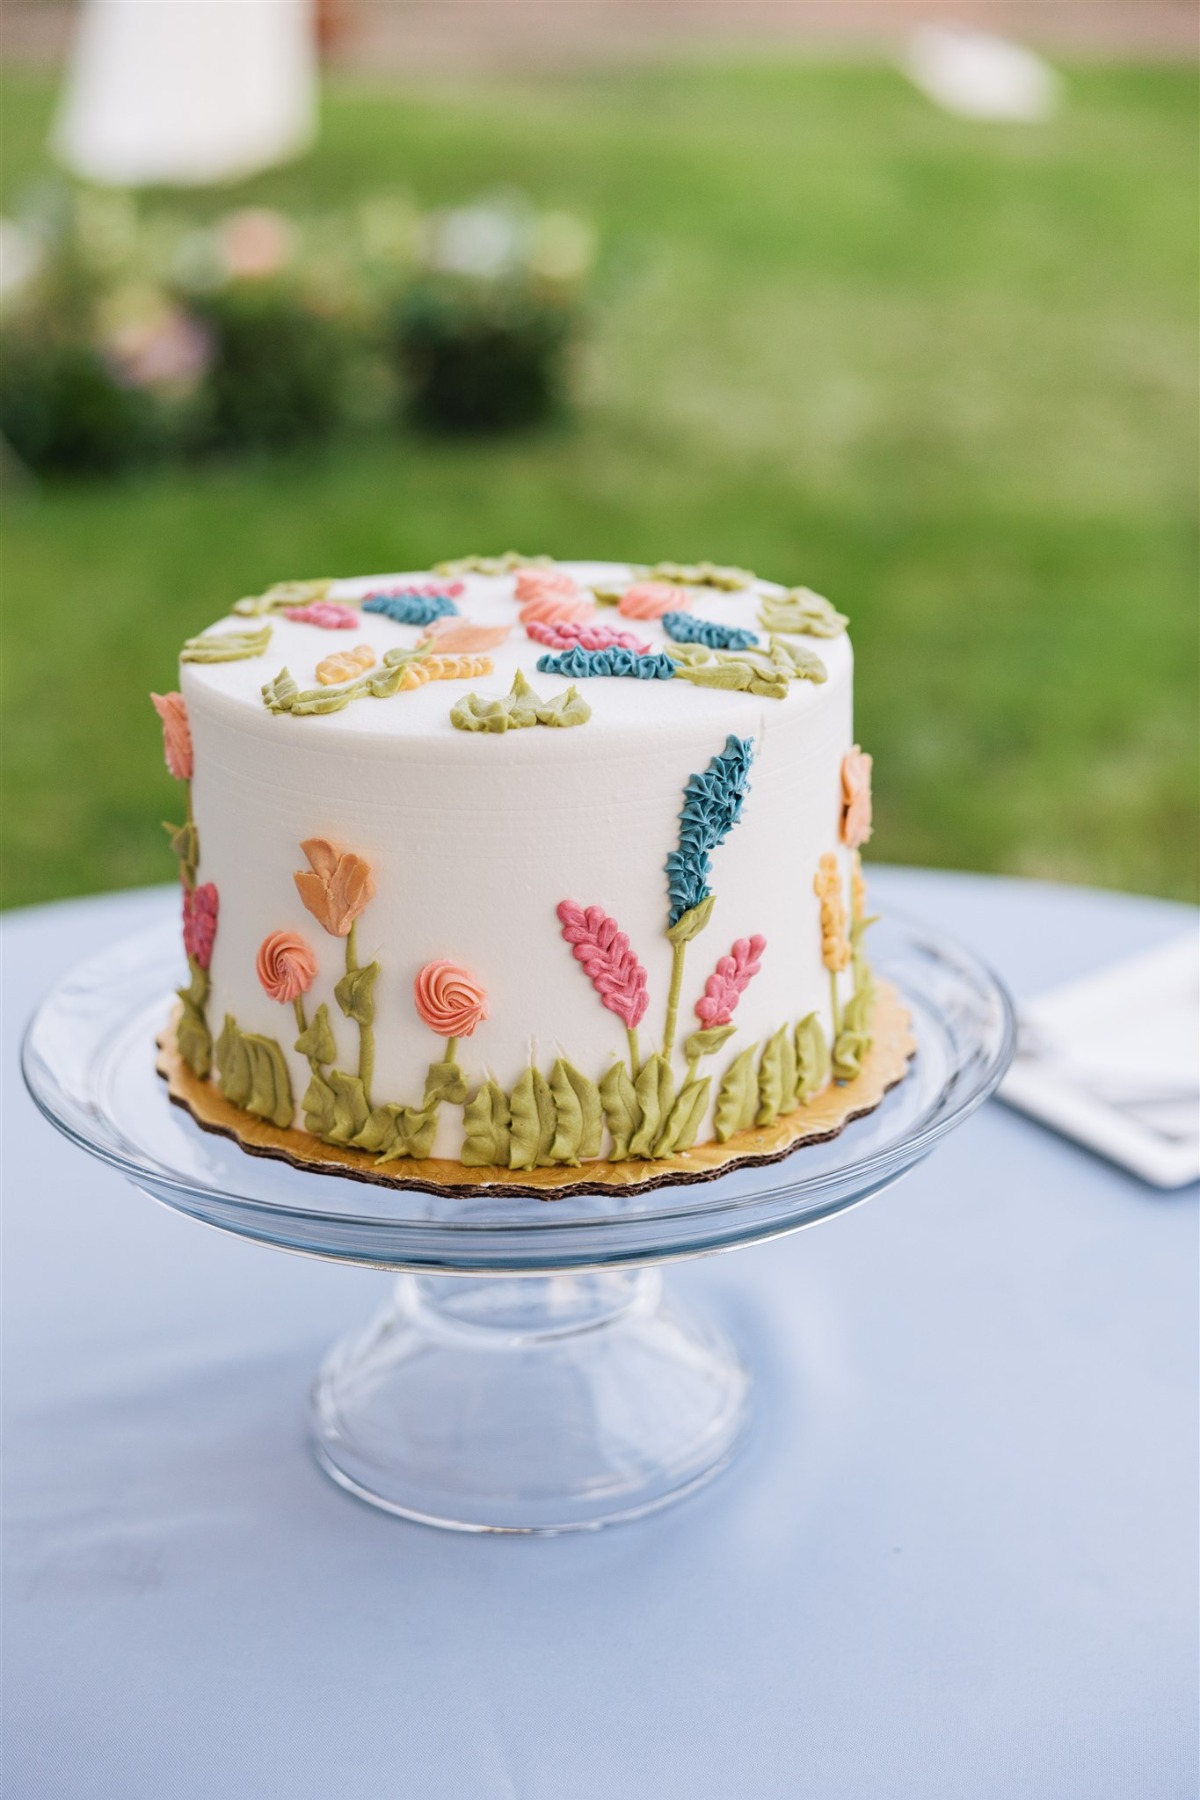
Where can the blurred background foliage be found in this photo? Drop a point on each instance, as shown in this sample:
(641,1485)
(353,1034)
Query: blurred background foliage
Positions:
(942,372)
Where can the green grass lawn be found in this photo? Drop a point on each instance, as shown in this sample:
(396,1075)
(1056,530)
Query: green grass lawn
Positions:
(944,373)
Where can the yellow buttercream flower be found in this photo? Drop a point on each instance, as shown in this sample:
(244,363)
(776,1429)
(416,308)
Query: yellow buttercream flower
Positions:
(827,885)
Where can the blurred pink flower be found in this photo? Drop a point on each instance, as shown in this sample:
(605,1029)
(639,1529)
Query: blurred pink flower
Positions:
(255,242)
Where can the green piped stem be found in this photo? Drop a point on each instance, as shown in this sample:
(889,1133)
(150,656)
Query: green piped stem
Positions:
(677,955)
(366,1033)
(298,1009)
(635,1061)
(693,1065)
(451,1049)
(833,997)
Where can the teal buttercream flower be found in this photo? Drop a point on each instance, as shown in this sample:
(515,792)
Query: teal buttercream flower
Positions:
(712,805)
(685,629)
(411,609)
(616,660)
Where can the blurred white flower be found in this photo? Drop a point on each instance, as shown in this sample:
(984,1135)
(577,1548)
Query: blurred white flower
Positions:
(980,76)
(255,243)
(486,241)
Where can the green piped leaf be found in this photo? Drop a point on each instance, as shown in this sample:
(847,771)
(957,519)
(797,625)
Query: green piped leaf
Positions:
(655,1089)
(802,612)
(226,646)
(486,1120)
(503,564)
(579,1115)
(185,843)
(531,1106)
(193,1039)
(568,1127)
(704,574)
(622,1113)
(737,1099)
(350,1109)
(854,1040)
(270,1094)
(519,708)
(776,1077)
(686,1117)
(401,1131)
(284,593)
(281,693)
(316,1042)
(385,1132)
(856,1014)
(849,1049)
(738,674)
(233,1063)
(797,663)
(445,1081)
(567,708)
(812,1058)
(318,1106)
(692,923)
(354,993)
(703,1043)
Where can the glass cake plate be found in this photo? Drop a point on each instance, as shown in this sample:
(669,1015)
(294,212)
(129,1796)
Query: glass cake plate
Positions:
(558,1389)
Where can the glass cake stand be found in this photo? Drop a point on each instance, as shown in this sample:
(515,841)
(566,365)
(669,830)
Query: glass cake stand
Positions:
(558,1389)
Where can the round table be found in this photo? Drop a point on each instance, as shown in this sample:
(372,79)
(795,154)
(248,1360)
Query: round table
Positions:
(957,1558)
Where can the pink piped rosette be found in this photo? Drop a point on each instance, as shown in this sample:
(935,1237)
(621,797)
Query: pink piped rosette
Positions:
(449,999)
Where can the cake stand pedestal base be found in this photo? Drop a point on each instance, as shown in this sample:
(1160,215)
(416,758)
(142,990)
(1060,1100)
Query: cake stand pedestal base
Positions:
(528,1403)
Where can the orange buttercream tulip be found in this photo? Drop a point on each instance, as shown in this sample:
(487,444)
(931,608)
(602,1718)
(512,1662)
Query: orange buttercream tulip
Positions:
(337,888)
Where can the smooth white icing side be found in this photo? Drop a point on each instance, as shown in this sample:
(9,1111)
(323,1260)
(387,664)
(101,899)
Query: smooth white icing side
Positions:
(474,839)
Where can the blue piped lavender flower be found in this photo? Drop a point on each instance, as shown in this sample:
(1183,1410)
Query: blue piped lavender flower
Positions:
(614,661)
(686,630)
(410,609)
(712,805)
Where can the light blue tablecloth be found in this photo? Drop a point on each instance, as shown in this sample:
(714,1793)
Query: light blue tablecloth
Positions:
(957,1559)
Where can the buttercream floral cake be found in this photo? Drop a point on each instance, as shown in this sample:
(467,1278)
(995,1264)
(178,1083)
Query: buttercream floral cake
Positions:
(525,874)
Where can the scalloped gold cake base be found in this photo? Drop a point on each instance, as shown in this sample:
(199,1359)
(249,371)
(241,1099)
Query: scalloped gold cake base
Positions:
(884,1067)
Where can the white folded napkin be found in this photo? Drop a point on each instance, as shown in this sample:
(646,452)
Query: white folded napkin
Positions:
(1114,1062)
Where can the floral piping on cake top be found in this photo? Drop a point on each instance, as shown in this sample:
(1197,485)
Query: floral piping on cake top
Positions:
(411,609)
(567,634)
(579,663)
(201,902)
(344,665)
(327,615)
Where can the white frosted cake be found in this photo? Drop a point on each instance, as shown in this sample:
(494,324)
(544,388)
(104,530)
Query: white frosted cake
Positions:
(524,873)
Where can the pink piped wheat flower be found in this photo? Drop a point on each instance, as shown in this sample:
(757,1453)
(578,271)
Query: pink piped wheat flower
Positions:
(567,634)
(729,981)
(610,964)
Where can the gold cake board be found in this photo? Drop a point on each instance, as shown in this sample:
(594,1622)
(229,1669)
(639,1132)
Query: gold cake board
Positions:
(885,1064)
